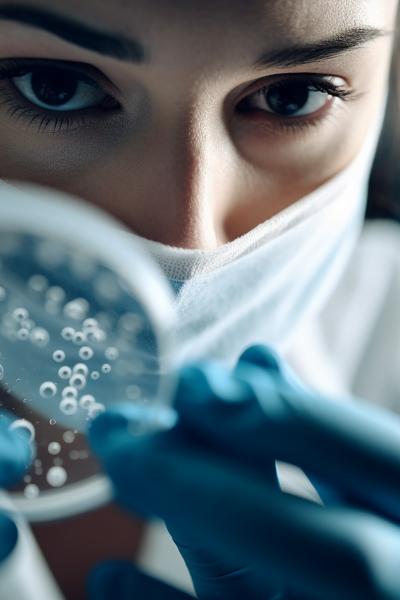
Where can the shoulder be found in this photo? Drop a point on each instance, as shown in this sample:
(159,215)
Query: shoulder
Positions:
(372,271)
(375,260)
(382,238)
(361,322)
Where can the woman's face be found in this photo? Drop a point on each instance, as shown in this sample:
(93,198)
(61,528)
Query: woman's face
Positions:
(164,114)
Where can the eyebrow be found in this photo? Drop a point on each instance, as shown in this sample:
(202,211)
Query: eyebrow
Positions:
(322,50)
(108,44)
(118,46)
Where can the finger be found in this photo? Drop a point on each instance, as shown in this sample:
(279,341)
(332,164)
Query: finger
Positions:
(8,537)
(122,580)
(219,412)
(213,576)
(15,452)
(327,553)
(355,448)
(267,358)
(263,356)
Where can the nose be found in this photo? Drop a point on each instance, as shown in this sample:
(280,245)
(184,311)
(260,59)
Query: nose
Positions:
(177,183)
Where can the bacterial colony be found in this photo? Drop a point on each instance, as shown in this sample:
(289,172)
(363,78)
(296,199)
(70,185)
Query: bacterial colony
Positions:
(71,343)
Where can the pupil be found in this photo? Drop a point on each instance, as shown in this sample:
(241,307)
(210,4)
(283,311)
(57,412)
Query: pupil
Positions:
(288,98)
(53,87)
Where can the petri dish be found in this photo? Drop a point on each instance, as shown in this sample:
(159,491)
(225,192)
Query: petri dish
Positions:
(86,321)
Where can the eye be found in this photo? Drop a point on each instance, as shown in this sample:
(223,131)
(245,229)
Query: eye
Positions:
(59,89)
(294,97)
(56,96)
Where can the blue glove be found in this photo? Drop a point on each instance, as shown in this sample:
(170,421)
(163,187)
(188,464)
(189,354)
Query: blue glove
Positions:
(120,580)
(212,479)
(15,456)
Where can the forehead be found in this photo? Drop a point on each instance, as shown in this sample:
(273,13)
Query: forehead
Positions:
(298,18)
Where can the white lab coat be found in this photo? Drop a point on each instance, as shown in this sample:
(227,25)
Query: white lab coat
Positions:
(351,347)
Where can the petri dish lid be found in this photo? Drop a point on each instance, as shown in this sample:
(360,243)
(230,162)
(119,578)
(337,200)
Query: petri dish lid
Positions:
(65,265)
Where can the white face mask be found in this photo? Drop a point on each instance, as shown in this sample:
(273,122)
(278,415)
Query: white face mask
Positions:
(260,287)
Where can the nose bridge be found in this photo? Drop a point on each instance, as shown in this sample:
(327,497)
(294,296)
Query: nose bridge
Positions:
(195,153)
(196,140)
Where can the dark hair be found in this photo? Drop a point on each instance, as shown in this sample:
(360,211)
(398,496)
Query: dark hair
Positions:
(384,183)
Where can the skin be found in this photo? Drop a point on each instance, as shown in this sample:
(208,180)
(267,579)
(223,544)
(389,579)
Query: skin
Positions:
(178,144)
(177,163)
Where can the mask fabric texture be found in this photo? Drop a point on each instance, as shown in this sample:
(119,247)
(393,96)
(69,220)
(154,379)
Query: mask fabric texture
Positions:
(261,286)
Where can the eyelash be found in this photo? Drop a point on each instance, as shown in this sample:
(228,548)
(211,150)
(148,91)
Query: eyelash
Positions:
(20,107)
(316,83)
(78,118)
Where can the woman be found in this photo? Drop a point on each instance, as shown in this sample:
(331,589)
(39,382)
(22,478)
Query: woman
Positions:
(196,124)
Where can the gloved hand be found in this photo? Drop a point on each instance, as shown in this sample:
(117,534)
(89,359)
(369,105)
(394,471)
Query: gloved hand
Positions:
(15,456)
(211,478)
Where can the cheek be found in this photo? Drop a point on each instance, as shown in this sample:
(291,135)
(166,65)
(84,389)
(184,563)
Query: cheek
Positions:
(41,160)
(291,166)
(303,156)
(40,157)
